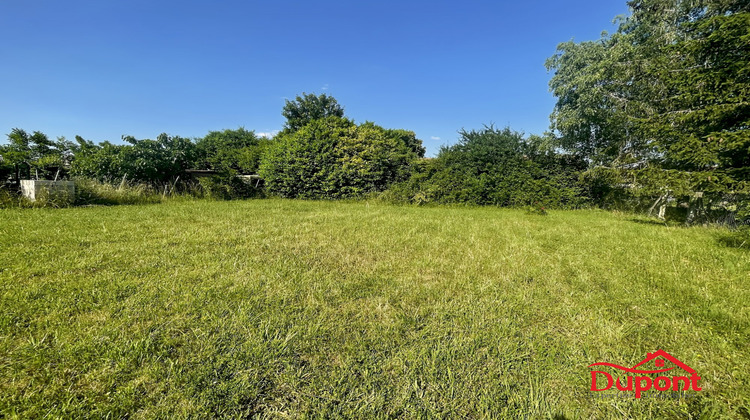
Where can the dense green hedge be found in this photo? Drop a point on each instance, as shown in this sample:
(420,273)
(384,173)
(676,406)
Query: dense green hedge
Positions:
(495,167)
(335,158)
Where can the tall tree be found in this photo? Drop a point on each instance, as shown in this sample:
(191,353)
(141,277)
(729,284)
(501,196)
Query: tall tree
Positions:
(670,86)
(669,90)
(591,116)
(307,108)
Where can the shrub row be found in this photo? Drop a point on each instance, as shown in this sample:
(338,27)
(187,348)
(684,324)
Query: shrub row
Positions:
(331,158)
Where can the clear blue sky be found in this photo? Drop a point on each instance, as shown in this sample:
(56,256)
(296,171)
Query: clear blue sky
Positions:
(104,68)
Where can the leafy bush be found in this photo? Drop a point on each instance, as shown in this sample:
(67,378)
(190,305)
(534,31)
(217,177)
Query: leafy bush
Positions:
(415,189)
(103,162)
(237,151)
(7,171)
(495,167)
(230,153)
(688,196)
(142,161)
(334,158)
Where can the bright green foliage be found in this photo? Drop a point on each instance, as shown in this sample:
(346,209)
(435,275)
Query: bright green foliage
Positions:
(163,159)
(335,158)
(409,138)
(103,162)
(28,156)
(591,114)
(307,108)
(670,87)
(231,151)
(148,161)
(496,167)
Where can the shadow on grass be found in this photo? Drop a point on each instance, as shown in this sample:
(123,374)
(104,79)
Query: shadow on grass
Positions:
(735,239)
(648,221)
(739,238)
(658,222)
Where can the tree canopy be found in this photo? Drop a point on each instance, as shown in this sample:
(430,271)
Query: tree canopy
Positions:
(148,161)
(671,83)
(236,151)
(307,108)
(334,158)
(35,155)
(668,91)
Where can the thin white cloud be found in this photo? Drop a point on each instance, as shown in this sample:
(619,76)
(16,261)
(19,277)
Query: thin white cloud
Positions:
(268,134)
(325,87)
(434,138)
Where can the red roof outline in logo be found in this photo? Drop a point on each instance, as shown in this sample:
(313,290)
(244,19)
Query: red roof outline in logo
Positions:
(649,357)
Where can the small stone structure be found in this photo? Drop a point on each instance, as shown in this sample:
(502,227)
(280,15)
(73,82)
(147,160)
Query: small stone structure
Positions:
(55,190)
(250,179)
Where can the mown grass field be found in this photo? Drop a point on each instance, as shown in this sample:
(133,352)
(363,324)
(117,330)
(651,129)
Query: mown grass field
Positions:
(288,309)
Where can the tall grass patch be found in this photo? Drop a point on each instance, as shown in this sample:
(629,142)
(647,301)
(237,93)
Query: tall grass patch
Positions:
(280,308)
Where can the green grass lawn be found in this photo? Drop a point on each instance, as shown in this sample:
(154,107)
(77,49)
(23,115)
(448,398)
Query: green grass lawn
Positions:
(279,308)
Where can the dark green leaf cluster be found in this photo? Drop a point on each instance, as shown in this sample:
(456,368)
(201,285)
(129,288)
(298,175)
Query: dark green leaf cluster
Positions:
(147,161)
(307,108)
(495,167)
(666,95)
(670,88)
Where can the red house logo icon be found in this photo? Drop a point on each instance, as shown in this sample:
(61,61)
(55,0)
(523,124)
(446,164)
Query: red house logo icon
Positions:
(645,383)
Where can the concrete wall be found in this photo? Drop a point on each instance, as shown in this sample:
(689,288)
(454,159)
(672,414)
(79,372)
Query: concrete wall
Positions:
(57,190)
